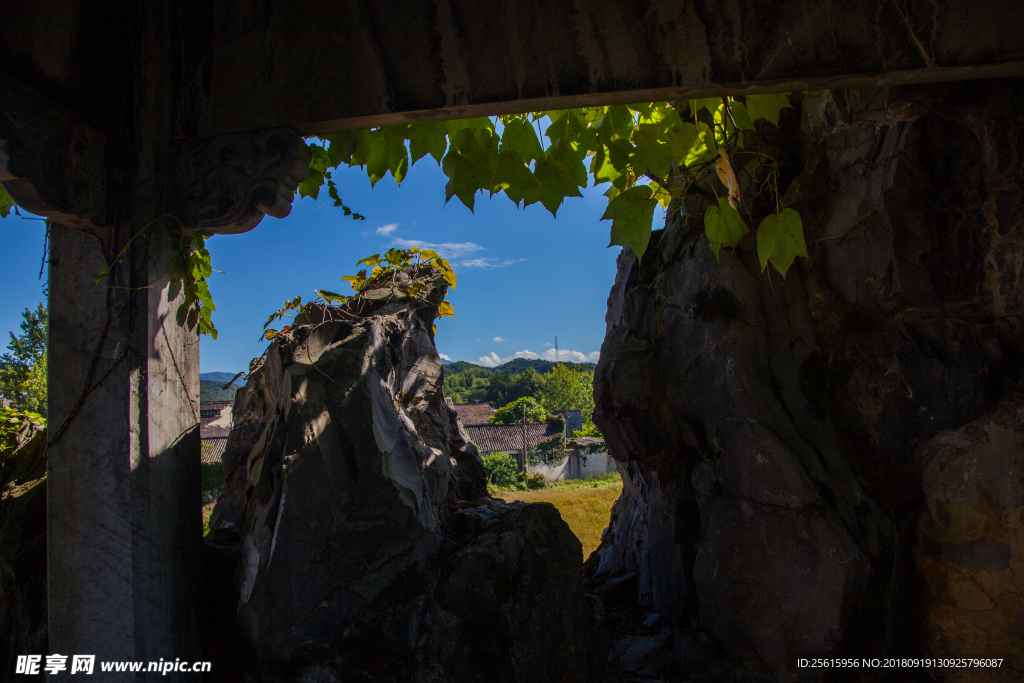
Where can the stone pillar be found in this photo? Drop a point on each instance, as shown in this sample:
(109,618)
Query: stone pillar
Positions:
(124,517)
(124,527)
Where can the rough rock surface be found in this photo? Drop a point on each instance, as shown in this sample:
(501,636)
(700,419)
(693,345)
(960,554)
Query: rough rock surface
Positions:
(971,539)
(23,550)
(770,431)
(367,547)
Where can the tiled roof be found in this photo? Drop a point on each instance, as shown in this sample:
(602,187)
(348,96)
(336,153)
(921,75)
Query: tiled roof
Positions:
(212,450)
(490,438)
(474,413)
(208,431)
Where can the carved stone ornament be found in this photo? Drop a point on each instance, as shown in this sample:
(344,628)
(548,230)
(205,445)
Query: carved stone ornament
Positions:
(51,163)
(230,182)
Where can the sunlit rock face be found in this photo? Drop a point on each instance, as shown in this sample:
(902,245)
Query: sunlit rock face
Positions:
(367,548)
(781,441)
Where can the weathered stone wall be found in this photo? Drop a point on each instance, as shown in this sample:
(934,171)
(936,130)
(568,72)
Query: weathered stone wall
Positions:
(774,433)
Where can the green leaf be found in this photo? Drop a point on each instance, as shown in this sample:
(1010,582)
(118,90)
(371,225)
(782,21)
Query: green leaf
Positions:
(631,213)
(520,137)
(617,123)
(387,153)
(571,158)
(512,175)
(703,148)
(350,147)
(650,155)
(741,115)
(709,103)
(469,164)
(428,138)
(480,123)
(602,168)
(662,195)
(556,183)
(767,107)
(723,226)
(566,127)
(780,239)
(310,187)
(6,203)
(320,160)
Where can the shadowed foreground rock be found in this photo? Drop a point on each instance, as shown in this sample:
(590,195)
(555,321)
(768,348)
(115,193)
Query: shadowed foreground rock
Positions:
(367,548)
(23,549)
(789,489)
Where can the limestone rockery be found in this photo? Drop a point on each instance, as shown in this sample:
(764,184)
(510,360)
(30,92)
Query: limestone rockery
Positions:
(832,464)
(354,534)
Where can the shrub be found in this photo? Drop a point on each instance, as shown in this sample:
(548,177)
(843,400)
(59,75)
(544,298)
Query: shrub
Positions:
(535,481)
(513,412)
(500,469)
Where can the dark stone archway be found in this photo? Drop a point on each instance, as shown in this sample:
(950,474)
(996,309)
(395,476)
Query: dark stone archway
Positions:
(113,121)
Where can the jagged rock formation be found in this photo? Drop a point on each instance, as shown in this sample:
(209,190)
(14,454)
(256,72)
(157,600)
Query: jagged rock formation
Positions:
(367,548)
(23,549)
(788,491)
(971,538)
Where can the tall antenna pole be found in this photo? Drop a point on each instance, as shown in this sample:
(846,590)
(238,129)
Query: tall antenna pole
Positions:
(556,348)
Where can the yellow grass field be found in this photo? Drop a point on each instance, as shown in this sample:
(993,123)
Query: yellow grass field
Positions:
(585,510)
(583,507)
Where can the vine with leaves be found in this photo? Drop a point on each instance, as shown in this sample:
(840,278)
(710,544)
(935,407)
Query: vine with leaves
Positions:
(649,154)
(383,273)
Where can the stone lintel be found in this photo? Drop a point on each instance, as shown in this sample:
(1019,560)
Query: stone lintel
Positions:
(671,94)
(380,62)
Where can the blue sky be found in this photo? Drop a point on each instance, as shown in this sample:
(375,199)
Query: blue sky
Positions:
(523,276)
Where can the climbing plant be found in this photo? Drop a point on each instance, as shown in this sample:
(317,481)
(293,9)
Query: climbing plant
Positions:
(649,154)
(383,272)
(6,203)
(189,272)
(11,422)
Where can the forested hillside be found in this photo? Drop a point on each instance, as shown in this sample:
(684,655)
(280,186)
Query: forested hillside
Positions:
(468,383)
(213,390)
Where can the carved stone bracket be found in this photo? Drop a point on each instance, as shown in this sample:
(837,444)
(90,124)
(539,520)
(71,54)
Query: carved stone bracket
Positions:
(51,163)
(230,182)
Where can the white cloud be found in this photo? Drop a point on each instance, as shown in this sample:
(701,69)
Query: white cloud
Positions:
(444,356)
(498,339)
(492,359)
(488,263)
(573,356)
(387,229)
(546,344)
(449,250)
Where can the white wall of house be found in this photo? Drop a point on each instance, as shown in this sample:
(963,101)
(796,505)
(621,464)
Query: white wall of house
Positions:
(577,466)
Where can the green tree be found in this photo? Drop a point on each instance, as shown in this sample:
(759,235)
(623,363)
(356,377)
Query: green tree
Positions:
(23,367)
(589,429)
(513,412)
(568,389)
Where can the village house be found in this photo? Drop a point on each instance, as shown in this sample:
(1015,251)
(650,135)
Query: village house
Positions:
(214,427)
(581,458)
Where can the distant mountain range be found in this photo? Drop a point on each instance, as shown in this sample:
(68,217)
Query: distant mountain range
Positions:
(211,386)
(217,376)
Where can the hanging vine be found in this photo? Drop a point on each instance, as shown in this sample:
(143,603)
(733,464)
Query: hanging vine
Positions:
(650,155)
